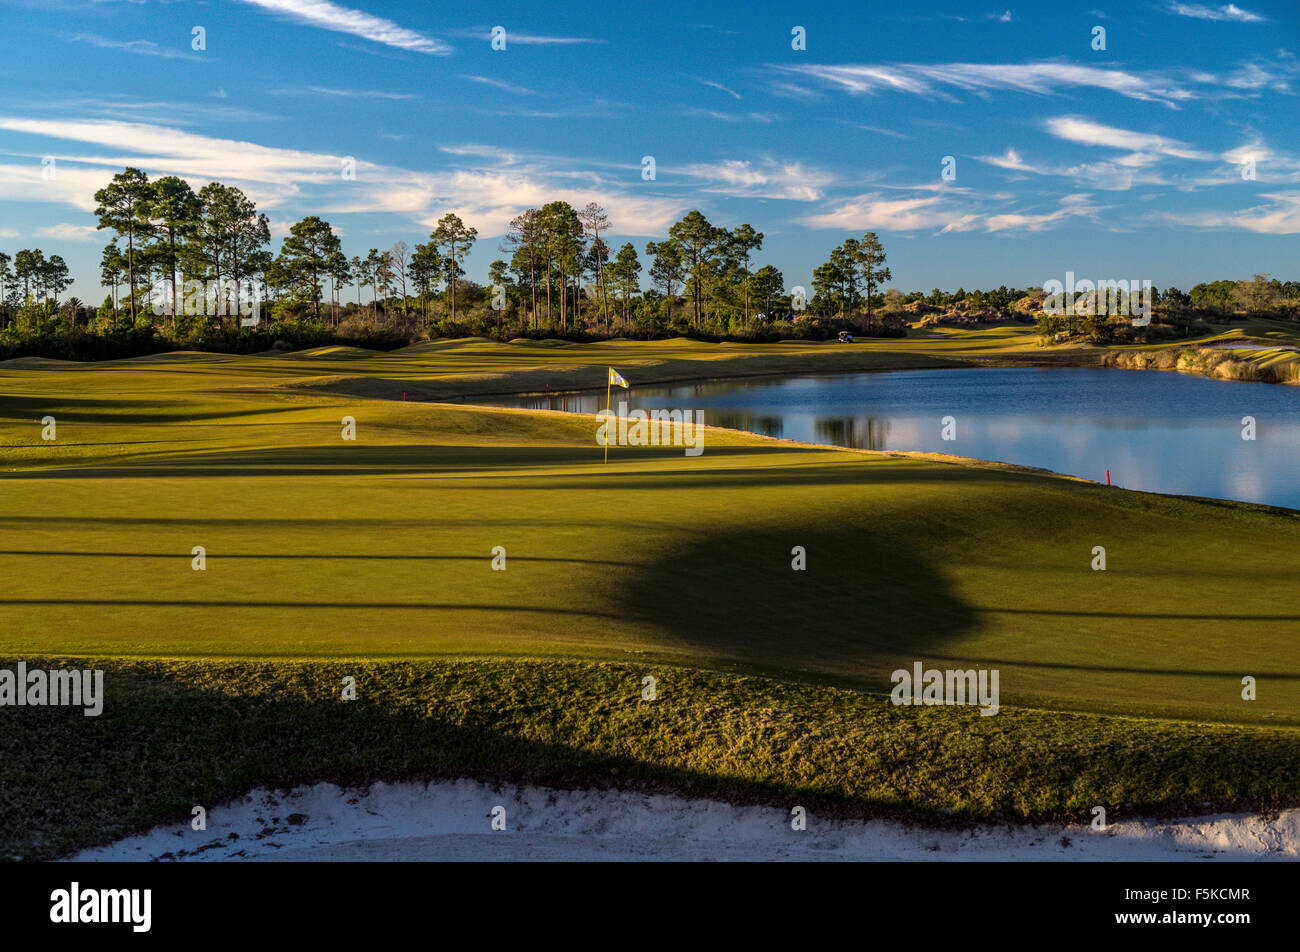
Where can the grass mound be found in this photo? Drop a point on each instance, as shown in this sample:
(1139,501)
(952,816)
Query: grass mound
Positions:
(178,734)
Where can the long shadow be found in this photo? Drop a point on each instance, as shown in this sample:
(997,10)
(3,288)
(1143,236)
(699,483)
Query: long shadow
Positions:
(331,606)
(303,557)
(863,595)
(355,458)
(1184,616)
(27,411)
(1233,674)
(506,468)
(283,524)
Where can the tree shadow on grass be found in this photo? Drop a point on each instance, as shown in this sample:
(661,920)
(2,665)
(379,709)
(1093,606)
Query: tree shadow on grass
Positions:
(22,411)
(864,598)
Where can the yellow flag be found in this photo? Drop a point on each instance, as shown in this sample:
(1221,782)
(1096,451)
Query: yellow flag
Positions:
(616,377)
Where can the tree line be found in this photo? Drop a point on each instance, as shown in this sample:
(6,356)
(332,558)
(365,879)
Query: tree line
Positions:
(558,274)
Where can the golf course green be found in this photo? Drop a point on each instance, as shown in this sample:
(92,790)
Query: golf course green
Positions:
(325,555)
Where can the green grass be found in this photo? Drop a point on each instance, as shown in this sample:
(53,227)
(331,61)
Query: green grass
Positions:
(381,549)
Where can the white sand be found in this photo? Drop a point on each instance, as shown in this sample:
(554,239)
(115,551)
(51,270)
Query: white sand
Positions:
(451,820)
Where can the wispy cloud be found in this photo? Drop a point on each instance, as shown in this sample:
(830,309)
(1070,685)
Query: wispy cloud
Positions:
(886,213)
(942,80)
(1011,161)
(528,39)
(1072,206)
(880,131)
(68,232)
(175,112)
(1139,152)
(1087,132)
(943,210)
(344,93)
(331,16)
(765,178)
(140,47)
(715,85)
(759,117)
(285,178)
(537,39)
(1201,11)
(1280,216)
(502,85)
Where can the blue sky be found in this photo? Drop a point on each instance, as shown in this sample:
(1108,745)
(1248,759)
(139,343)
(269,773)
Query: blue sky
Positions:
(1125,162)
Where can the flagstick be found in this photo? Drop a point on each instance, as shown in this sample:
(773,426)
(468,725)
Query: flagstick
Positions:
(608,383)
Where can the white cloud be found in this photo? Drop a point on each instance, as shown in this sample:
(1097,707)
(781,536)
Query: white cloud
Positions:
(529,39)
(331,16)
(1201,11)
(759,117)
(68,232)
(1043,78)
(875,211)
(1072,206)
(763,179)
(141,47)
(1011,160)
(356,93)
(72,185)
(718,86)
(274,177)
(945,209)
(1280,217)
(502,85)
(1087,132)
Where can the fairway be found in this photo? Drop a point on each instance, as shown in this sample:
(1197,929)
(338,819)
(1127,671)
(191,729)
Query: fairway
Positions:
(382,547)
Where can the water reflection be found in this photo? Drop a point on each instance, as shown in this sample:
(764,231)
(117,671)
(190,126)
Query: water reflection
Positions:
(1160,432)
(860,433)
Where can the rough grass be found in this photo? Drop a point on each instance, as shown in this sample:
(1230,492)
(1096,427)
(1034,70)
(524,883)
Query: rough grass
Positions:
(1261,366)
(179,734)
(1273,365)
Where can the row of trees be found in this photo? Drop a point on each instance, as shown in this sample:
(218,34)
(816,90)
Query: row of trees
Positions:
(30,276)
(558,261)
(559,274)
(165,230)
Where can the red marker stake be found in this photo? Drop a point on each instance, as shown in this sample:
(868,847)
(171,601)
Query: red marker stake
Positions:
(1107,477)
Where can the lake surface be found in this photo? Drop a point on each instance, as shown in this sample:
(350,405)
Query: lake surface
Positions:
(1155,431)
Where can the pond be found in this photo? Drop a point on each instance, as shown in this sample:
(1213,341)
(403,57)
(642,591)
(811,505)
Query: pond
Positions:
(1155,431)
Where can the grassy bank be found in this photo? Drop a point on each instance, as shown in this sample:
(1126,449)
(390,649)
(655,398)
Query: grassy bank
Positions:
(177,734)
(1259,366)
(1260,351)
